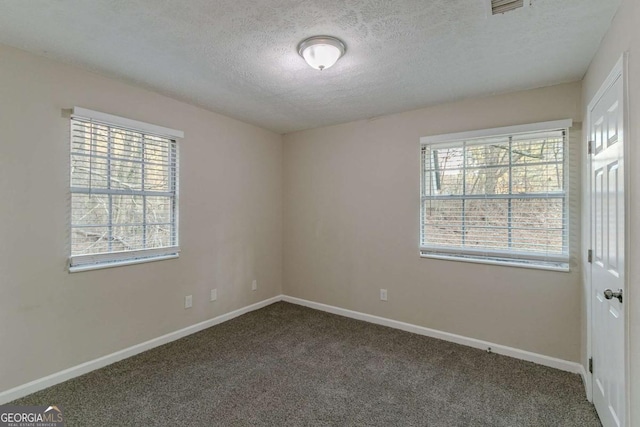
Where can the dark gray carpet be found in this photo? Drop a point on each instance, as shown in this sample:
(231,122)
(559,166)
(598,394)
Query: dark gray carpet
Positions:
(287,365)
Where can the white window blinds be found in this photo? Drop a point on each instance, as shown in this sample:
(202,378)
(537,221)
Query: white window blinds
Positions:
(124,181)
(496,198)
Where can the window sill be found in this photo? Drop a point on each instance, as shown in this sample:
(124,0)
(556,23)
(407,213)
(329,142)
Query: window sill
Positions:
(559,266)
(100,266)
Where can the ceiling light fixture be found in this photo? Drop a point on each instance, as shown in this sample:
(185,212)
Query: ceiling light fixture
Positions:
(321,52)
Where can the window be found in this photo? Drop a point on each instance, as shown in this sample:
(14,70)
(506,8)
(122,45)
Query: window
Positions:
(124,182)
(497,196)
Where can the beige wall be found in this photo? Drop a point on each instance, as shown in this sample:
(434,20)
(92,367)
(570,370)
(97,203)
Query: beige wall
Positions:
(352,221)
(230,223)
(624,36)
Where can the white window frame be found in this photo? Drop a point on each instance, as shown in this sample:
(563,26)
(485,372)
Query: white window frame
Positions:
(78,263)
(500,257)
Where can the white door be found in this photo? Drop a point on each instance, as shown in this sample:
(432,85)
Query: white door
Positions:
(607,269)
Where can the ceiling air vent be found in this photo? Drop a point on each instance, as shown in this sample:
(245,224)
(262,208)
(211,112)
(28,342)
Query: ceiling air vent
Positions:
(503,6)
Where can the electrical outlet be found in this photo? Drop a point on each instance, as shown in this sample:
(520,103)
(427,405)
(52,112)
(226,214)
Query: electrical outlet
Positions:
(214,295)
(188,301)
(383,294)
(254,285)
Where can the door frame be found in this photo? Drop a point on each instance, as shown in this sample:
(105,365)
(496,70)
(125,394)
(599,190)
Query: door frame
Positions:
(620,70)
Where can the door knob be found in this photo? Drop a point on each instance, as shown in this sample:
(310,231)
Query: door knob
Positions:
(609,294)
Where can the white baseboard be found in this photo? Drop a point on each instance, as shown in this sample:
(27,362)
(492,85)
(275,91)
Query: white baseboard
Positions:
(563,365)
(586,380)
(75,371)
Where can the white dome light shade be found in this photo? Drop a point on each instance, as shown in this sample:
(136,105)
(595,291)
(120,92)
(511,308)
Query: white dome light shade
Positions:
(321,52)
(321,56)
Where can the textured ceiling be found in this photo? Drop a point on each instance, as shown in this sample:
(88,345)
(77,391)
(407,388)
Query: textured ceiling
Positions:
(238,57)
